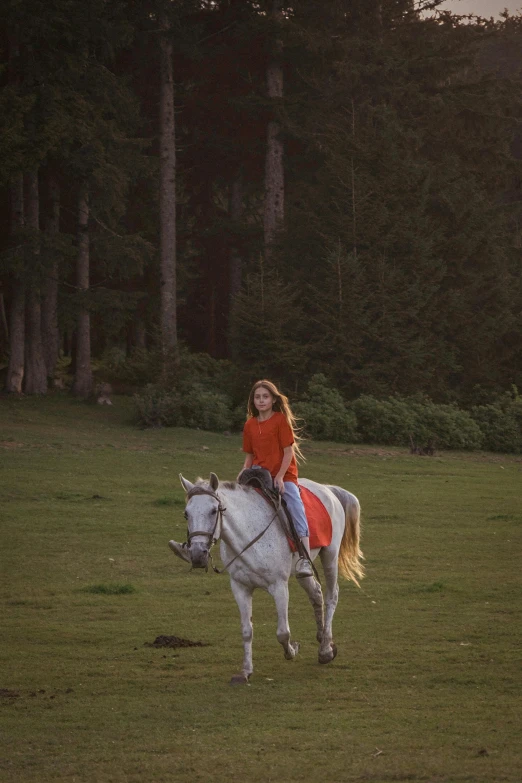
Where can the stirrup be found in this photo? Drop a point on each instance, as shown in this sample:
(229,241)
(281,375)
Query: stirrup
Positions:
(303,568)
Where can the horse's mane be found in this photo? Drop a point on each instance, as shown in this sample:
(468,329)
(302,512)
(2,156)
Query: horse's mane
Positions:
(233,485)
(230,485)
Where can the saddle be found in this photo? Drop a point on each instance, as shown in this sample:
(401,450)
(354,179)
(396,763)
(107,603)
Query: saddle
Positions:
(260,479)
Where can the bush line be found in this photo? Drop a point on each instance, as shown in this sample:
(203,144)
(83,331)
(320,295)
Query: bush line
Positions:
(414,421)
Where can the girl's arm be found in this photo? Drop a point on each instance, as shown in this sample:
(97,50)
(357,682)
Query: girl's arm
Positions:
(249,458)
(288,453)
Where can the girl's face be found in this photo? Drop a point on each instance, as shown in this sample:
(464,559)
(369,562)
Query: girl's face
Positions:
(263,400)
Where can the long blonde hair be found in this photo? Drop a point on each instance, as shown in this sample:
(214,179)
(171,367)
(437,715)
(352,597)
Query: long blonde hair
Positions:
(282,405)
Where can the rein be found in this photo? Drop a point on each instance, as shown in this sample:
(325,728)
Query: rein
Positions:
(197,490)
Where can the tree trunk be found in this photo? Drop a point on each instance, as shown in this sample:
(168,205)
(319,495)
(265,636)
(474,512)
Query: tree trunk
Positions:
(167,202)
(235,208)
(35,381)
(274,171)
(82,385)
(50,336)
(4,339)
(140,334)
(15,369)
(236,213)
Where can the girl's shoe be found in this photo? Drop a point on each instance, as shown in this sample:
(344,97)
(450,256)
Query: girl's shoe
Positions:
(180,550)
(303,568)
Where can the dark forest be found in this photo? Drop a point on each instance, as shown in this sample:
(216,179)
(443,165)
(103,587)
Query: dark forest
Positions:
(287,189)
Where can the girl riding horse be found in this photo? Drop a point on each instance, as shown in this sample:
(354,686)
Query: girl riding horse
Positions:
(270,441)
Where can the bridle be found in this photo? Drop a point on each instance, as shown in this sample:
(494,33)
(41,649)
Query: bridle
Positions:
(211,537)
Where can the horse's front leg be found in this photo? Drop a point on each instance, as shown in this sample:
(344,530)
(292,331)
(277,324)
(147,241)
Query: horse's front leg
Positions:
(243,596)
(279,592)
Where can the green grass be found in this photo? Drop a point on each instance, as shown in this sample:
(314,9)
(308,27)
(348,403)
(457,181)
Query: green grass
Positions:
(426,685)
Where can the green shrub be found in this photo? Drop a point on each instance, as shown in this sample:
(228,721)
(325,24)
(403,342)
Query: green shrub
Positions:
(389,422)
(206,409)
(404,421)
(325,414)
(188,406)
(147,367)
(194,395)
(501,423)
(446,426)
(157,407)
(204,371)
(136,369)
(239,416)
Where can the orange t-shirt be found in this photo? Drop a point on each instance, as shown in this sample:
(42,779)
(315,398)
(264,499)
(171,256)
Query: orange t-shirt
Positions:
(266,441)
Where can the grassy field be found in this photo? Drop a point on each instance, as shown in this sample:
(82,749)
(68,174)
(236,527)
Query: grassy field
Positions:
(426,685)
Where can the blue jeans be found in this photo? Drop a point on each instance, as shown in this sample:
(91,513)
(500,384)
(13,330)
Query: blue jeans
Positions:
(293,500)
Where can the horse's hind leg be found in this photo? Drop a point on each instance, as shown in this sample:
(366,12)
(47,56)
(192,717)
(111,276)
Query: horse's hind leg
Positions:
(279,592)
(327,649)
(243,596)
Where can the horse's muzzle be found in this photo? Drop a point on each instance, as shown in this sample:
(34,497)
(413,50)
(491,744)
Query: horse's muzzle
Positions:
(198,555)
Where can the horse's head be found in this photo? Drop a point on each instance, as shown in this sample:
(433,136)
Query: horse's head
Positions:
(203,513)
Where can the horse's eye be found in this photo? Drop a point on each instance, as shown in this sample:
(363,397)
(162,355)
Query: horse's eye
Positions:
(185,515)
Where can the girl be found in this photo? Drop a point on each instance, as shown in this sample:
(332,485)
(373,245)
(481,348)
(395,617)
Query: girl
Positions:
(269,440)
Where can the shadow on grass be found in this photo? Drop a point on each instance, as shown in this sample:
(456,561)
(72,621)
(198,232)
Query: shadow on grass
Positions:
(109,589)
(169,502)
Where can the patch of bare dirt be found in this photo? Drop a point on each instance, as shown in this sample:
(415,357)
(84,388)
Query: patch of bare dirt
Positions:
(11,695)
(5,693)
(173,641)
(10,444)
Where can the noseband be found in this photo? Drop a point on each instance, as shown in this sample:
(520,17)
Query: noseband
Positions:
(197,490)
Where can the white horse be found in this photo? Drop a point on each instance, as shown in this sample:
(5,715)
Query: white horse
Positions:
(237,515)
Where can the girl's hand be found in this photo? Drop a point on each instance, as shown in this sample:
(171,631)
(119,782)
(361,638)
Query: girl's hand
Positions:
(279,484)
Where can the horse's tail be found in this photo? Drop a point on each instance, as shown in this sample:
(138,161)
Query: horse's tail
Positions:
(350,555)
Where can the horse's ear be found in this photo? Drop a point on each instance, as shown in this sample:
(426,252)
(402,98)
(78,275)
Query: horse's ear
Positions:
(187,486)
(214,481)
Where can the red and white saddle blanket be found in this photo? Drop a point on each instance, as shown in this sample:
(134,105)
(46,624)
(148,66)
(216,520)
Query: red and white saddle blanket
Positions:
(318,518)
(319,522)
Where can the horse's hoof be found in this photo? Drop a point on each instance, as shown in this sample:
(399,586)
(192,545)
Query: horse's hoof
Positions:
(290,655)
(327,657)
(239,679)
